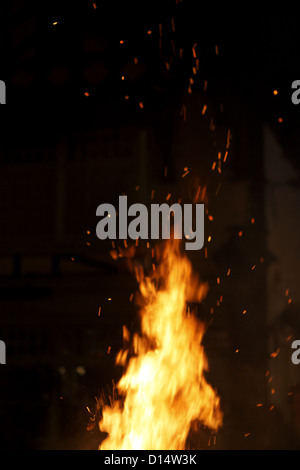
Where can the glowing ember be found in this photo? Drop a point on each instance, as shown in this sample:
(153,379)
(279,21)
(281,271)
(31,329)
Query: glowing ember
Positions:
(163,390)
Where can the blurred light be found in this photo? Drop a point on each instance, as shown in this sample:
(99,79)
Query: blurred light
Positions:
(80,370)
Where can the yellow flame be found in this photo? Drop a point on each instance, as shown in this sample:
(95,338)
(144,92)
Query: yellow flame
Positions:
(163,390)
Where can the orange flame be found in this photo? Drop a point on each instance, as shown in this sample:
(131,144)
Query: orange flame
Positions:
(163,390)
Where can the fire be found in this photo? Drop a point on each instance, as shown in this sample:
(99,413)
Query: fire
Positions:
(163,390)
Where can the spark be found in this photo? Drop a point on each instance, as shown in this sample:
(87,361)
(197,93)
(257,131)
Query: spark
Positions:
(275,353)
(173,25)
(183,112)
(194,50)
(218,188)
(228,137)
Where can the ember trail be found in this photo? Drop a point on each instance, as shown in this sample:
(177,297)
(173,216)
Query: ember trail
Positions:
(139,226)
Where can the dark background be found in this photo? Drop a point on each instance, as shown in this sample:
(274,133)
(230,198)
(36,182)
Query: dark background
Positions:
(70,140)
